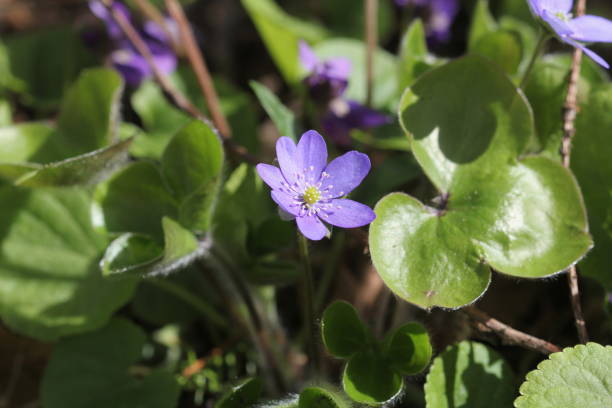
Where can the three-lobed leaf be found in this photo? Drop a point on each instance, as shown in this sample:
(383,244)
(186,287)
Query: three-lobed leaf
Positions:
(523,216)
(408,349)
(369,379)
(343,332)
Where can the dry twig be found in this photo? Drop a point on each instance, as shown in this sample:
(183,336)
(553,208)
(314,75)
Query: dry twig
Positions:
(507,334)
(570,110)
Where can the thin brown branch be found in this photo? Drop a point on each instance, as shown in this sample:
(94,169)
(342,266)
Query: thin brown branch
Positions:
(134,37)
(199,67)
(507,334)
(570,110)
(371,33)
(152,13)
(176,97)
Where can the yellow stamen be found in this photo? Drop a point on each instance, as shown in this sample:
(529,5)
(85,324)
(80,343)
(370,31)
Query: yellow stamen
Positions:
(312,195)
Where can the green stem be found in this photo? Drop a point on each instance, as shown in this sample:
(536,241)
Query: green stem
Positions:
(308,304)
(330,269)
(191,299)
(542,38)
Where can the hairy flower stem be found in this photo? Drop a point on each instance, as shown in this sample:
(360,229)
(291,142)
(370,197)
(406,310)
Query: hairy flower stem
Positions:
(308,305)
(570,110)
(542,39)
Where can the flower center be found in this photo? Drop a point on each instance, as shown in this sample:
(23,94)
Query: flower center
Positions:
(563,16)
(312,195)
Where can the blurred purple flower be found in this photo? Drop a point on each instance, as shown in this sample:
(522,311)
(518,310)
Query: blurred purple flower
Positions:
(125,58)
(329,77)
(438,17)
(346,115)
(556,16)
(310,190)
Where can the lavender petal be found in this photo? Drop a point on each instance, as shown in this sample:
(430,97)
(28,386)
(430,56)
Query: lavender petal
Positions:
(132,66)
(312,227)
(271,175)
(286,153)
(312,154)
(349,214)
(308,58)
(285,202)
(591,29)
(345,173)
(595,57)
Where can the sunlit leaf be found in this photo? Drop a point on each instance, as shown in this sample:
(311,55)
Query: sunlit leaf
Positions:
(577,377)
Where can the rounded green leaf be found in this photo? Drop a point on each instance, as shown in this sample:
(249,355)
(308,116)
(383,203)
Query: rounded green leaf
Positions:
(242,395)
(577,377)
(422,257)
(318,397)
(466,113)
(524,217)
(470,375)
(408,349)
(92,370)
(369,379)
(343,332)
(50,282)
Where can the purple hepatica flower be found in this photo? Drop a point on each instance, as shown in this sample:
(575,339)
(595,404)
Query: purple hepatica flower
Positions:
(346,115)
(555,14)
(131,65)
(100,11)
(329,77)
(438,16)
(310,190)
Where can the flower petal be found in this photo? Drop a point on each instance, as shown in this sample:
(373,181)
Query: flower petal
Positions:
(591,54)
(338,68)
(345,173)
(312,227)
(591,29)
(271,175)
(348,214)
(312,155)
(287,158)
(308,58)
(555,6)
(285,202)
